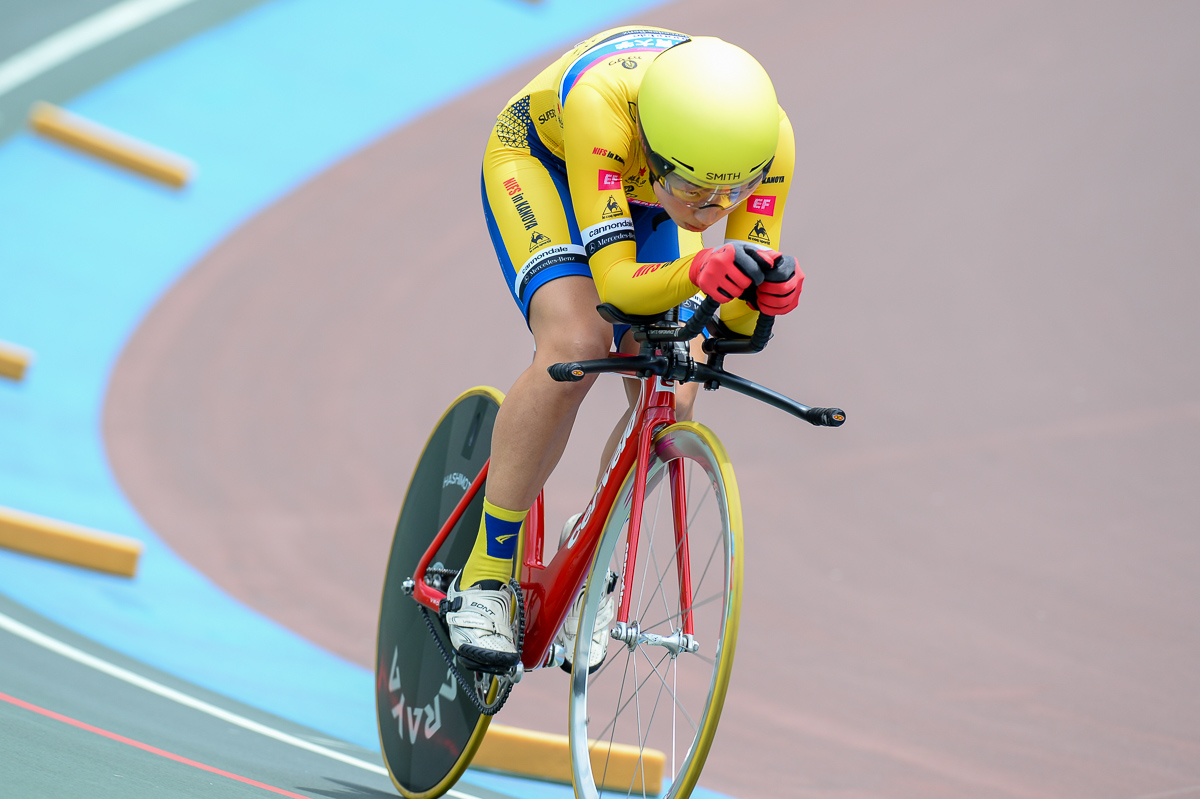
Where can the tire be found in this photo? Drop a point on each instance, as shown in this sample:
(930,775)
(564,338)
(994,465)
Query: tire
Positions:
(428,728)
(643,698)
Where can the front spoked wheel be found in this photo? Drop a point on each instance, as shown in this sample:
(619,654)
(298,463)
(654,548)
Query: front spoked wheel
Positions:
(643,722)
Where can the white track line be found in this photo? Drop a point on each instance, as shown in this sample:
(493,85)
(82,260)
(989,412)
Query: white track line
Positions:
(66,650)
(80,37)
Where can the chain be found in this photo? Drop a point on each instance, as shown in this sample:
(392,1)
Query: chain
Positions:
(504,682)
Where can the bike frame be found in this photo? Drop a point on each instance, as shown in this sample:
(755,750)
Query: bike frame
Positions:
(549,589)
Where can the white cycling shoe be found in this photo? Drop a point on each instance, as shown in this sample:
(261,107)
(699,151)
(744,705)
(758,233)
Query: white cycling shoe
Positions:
(567,633)
(480,622)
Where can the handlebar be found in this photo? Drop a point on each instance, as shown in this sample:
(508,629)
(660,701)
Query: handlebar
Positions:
(675,363)
(705,313)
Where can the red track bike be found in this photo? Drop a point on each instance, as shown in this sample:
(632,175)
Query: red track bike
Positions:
(662,535)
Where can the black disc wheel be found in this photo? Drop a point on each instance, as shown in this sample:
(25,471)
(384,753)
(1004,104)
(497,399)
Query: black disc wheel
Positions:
(428,727)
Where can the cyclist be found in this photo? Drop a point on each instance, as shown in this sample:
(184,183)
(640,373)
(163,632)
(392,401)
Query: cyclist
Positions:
(598,179)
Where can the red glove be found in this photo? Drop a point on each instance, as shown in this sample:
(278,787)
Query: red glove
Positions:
(726,272)
(779,292)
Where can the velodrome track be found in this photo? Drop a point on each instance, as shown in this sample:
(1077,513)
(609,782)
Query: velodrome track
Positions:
(985,585)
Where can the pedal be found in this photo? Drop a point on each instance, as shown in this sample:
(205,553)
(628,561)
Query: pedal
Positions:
(466,664)
(448,606)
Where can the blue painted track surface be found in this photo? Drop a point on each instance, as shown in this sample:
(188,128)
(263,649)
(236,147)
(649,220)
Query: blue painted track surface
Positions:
(260,104)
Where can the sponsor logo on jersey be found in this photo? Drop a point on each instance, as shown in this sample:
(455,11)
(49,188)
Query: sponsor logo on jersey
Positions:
(612,210)
(773,179)
(524,211)
(761,204)
(548,258)
(546,117)
(608,154)
(599,236)
(759,233)
(609,180)
(538,239)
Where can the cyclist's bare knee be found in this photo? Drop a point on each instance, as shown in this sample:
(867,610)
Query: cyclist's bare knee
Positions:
(565,325)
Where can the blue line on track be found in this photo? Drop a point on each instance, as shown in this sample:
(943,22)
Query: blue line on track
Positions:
(261,104)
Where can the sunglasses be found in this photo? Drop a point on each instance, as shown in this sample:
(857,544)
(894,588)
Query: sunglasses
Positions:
(695,195)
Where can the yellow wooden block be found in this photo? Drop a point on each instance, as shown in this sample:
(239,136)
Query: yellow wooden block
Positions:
(545,756)
(68,543)
(82,134)
(14,361)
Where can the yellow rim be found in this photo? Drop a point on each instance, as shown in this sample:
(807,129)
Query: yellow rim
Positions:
(476,738)
(686,780)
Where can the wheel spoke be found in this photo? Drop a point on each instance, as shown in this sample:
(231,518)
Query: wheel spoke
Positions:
(642,743)
(674,696)
(658,698)
(658,570)
(650,546)
(674,617)
(611,726)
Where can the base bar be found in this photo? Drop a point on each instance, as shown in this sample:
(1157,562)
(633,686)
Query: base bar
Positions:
(545,756)
(68,543)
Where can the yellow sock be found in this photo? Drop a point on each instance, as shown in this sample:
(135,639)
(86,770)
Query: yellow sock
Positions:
(495,545)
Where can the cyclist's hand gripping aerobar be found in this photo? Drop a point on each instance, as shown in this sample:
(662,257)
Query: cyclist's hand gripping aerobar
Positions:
(768,281)
(779,292)
(725,273)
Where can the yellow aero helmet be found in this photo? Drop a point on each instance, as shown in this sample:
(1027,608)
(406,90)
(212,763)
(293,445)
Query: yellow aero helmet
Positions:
(707,112)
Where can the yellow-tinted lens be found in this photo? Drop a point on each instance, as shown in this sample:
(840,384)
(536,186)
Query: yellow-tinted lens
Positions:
(698,196)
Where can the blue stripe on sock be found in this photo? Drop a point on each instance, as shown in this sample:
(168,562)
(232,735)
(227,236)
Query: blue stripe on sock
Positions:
(501,537)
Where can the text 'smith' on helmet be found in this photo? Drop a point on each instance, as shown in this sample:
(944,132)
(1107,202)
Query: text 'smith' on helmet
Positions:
(709,108)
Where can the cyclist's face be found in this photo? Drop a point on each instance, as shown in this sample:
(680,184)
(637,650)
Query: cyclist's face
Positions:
(688,218)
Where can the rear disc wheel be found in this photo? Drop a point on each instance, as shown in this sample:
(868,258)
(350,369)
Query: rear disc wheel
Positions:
(428,727)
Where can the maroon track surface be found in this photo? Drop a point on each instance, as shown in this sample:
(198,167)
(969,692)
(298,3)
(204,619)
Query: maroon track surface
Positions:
(987,584)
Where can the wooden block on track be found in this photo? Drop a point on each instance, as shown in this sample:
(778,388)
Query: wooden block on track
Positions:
(545,756)
(68,543)
(14,361)
(116,148)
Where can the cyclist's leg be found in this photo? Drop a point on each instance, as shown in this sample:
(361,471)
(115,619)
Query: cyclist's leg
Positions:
(529,215)
(536,418)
